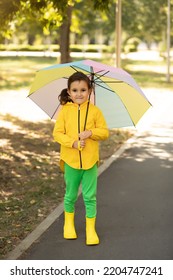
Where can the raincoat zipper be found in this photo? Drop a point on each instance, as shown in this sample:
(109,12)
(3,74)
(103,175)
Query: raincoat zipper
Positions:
(80,156)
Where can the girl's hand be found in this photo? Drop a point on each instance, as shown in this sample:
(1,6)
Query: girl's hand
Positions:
(85,134)
(79,144)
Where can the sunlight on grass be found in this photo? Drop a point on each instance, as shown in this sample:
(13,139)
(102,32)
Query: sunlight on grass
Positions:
(19,72)
(148,73)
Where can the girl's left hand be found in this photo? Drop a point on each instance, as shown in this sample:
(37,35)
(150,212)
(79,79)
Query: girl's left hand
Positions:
(85,134)
(80,144)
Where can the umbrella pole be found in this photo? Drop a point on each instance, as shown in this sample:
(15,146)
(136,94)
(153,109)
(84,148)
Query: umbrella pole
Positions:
(86,116)
(92,83)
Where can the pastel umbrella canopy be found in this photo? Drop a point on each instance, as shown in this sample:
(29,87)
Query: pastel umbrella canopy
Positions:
(115,92)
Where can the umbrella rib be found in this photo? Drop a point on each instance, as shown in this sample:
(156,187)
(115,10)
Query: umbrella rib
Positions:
(73,68)
(55,110)
(79,68)
(113,82)
(98,77)
(89,72)
(95,74)
(128,112)
(105,87)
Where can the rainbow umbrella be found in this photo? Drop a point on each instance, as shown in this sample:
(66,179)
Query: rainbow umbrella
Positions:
(115,92)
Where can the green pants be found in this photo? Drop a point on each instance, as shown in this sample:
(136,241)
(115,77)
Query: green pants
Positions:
(88,180)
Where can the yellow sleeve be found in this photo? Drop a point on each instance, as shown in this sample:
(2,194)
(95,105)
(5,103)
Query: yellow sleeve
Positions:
(59,132)
(100,132)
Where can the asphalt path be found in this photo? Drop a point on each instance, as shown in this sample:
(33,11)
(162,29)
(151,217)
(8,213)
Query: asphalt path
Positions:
(135,205)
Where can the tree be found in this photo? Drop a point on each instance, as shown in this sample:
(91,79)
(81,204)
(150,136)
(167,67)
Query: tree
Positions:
(63,8)
(65,36)
(91,22)
(66,24)
(144,19)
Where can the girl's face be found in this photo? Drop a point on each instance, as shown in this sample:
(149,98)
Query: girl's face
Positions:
(79,91)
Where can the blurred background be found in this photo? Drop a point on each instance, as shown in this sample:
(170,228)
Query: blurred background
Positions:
(100,27)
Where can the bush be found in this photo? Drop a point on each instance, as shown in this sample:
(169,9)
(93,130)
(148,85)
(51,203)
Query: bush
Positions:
(28,48)
(55,48)
(131,45)
(2,48)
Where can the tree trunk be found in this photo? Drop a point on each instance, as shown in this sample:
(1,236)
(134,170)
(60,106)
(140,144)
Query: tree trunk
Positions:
(65,37)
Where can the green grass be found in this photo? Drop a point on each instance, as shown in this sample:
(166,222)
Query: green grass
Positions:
(19,72)
(148,73)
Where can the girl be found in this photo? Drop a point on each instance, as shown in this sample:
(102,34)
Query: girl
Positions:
(79,127)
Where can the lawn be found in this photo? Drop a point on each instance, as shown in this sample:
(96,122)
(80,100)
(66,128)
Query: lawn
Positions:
(148,74)
(19,72)
(31,182)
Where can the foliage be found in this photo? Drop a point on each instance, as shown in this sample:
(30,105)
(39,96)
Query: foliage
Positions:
(93,24)
(143,19)
(51,14)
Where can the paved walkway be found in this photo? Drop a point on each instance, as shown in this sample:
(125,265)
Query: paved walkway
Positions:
(134,200)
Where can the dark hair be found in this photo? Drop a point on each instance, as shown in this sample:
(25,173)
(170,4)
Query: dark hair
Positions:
(64,97)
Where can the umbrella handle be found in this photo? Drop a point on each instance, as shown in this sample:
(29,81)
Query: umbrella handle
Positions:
(79,146)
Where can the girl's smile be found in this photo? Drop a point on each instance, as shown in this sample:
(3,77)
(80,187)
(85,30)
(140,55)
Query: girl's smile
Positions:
(79,91)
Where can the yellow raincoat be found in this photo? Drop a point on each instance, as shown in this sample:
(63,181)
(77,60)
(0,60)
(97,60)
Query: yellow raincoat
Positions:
(69,124)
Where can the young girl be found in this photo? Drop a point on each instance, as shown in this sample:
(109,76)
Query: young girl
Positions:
(79,127)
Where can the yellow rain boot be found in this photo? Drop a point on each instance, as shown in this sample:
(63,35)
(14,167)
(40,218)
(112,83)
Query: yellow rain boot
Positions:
(69,228)
(91,235)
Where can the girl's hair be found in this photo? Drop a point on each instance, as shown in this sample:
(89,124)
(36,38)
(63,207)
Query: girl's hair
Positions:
(64,97)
